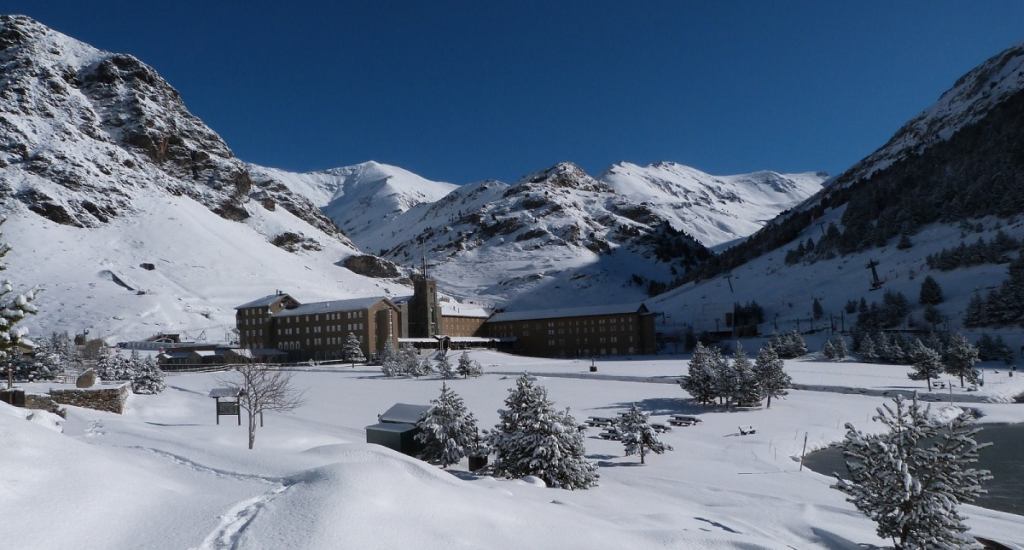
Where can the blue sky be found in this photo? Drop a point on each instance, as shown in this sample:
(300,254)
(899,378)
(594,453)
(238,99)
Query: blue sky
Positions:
(462,91)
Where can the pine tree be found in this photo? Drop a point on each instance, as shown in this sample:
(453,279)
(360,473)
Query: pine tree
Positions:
(816,309)
(931,292)
(912,479)
(771,375)
(904,242)
(790,345)
(423,367)
(977,312)
(390,362)
(468,367)
(725,378)
(828,350)
(352,350)
(14,308)
(448,431)
(149,379)
(638,437)
(747,388)
(839,345)
(960,359)
(444,367)
(867,349)
(927,363)
(532,438)
(700,381)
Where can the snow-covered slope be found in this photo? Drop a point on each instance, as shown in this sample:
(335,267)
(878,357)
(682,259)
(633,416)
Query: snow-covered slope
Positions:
(951,175)
(361,198)
(713,209)
(103,168)
(563,235)
(558,228)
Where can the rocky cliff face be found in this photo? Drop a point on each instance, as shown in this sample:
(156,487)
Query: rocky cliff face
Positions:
(81,130)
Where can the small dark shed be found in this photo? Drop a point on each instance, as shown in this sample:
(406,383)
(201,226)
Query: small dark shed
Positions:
(397,428)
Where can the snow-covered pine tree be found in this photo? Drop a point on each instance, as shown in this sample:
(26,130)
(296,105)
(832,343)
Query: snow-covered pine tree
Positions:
(927,363)
(408,360)
(770,370)
(912,479)
(448,431)
(532,438)
(700,379)
(747,389)
(638,437)
(444,367)
(867,349)
(828,350)
(352,350)
(960,359)
(111,365)
(725,377)
(468,367)
(790,345)
(390,362)
(149,378)
(931,292)
(839,343)
(423,367)
(14,307)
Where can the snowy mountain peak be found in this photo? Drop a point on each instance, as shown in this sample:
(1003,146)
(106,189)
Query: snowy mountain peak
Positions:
(972,97)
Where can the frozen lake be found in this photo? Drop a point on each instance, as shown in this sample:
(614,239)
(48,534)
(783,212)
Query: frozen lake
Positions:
(1005,459)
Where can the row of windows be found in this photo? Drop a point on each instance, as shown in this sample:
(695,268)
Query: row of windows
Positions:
(289,319)
(254,311)
(350,327)
(330,341)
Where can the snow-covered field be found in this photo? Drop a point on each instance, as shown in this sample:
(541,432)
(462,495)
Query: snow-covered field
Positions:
(165,476)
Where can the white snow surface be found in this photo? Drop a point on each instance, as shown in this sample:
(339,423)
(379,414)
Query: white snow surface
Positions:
(164,476)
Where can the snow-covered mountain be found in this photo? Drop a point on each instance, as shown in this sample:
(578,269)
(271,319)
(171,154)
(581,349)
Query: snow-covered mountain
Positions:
(362,197)
(715,210)
(103,170)
(953,174)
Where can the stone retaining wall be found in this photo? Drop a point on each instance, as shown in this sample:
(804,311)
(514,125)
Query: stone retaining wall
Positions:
(43,402)
(102,399)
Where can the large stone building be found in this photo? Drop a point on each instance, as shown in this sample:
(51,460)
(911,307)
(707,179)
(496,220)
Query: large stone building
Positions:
(317,330)
(625,329)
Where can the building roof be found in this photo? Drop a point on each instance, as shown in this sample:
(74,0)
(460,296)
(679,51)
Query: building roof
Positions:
(401,299)
(224,392)
(613,309)
(404,413)
(332,306)
(451,309)
(265,301)
(396,427)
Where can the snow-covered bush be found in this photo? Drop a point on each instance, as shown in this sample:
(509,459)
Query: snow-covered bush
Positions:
(533,439)
(448,431)
(637,435)
(912,479)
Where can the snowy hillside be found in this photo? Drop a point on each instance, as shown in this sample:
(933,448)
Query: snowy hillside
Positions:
(496,242)
(561,234)
(103,168)
(362,197)
(953,174)
(715,210)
